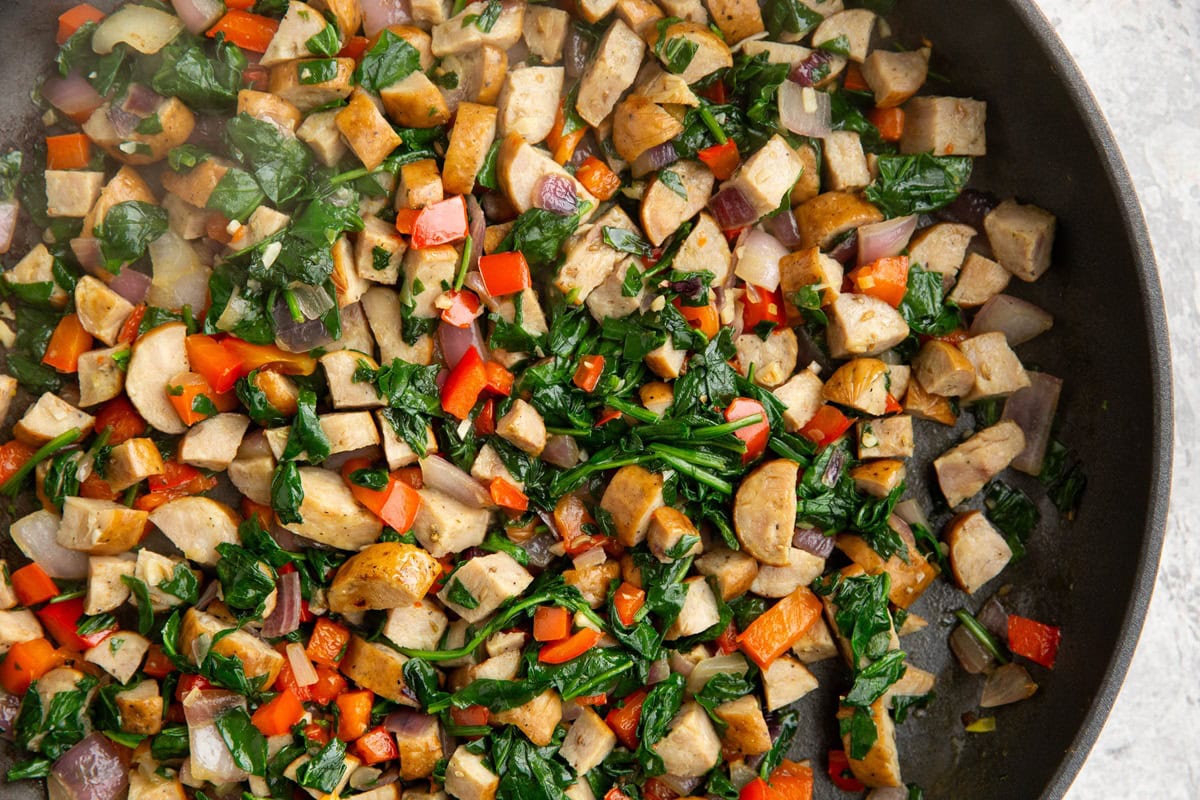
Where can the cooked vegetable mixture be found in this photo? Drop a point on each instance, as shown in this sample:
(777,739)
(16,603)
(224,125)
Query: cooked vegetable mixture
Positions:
(505,400)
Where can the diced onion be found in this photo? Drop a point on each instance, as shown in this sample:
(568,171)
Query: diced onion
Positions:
(972,655)
(592,557)
(783,227)
(455,341)
(1009,683)
(654,159)
(809,71)
(285,617)
(883,239)
(379,14)
(556,194)
(72,95)
(210,758)
(180,277)
(313,301)
(561,451)
(814,541)
(198,15)
(1033,408)
(143,28)
(1017,319)
(756,259)
(659,671)
(37,536)
(733,664)
(440,474)
(8,223)
(134,286)
(804,110)
(302,668)
(910,511)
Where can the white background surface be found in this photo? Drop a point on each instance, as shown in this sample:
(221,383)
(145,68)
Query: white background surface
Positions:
(1142,61)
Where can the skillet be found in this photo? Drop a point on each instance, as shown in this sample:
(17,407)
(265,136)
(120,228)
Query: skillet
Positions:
(1049,144)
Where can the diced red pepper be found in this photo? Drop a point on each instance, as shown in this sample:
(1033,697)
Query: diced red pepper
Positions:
(328,686)
(826,427)
(406,219)
(755,436)
(124,420)
(443,222)
(69,151)
(893,405)
(1034,640)
(499,380)
(188,682)
(506,495)
(277,716)
(627,602)
(464,384)
(355,47)
(504,273)
(722,159)
(598,178)
(157,665)
(376,745)
(464,309)
(485,420)
(62,620)
(27,662)
(884,278)
(551,624)
(624,720)
(327,643)
(396,504)
(889,121)
(572,647)
(129,328)
(252,32)
(703,318)
(588,373)
(75,18)
(727,642)
(760,306)
(840,773)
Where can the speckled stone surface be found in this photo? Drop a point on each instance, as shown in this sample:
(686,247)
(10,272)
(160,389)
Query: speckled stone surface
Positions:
(1142,61)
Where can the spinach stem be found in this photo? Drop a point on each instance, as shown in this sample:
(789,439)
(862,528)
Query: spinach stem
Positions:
(976,629)
(463,263)
(629,409)
(10,486)
(713,126)
(587,688)
(293,306)
(724,487)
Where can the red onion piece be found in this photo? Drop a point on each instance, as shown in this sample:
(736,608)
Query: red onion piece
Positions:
(477,228)
(474,282)
(1033,408)
(124,122)
(731,209)
(406,722)
(971,655)
(539,549)
(1017,319)
(659,671)
(555,193)
(1008,683)
(784,228)
(910,511)
(994,617)
(846,250)
(91,770)
(813,540)
(440,474)
(72,95)
(561,451)
(684,787)
(209,132)
(10,706)
(654,159)
(207,595)
(142,100)
(969,208)
(455,341)
(298,337)
(833,469)
(336,461)
(286,616)
(592,557)
(804,110)
(883,239)
(198,15)
(576,51)
(131,284)
(811,70)
(9,210)
(379,14)
(87,253)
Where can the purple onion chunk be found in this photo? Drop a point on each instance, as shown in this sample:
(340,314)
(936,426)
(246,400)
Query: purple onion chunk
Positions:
(812,70)
(813,540)
(969,208)
(91,770)
(731,209)
(556,194)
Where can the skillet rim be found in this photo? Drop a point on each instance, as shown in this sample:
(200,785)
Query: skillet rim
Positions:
(1159,351)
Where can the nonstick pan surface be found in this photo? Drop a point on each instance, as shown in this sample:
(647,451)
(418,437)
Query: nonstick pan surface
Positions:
(1047,144)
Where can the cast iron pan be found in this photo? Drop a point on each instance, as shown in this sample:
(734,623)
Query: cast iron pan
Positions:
(1048,144)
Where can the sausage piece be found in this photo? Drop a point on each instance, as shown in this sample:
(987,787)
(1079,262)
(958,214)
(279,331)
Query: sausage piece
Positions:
(764,512)
(963,470)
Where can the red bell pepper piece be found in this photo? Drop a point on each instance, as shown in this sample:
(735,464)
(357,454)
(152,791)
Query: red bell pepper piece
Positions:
(588,373)
(755,436)
(761,306)
(506,495)
(75,18)
(32,585)
(464,309)
(722,159)
(573,646)
(840,774)
(441,223)
(464,384)
(504,273)
(62,621)
(884,278)
(826,427)
(499,380)
(627,602)
(1035,640)
(124,420)
(624,720)
(252,32)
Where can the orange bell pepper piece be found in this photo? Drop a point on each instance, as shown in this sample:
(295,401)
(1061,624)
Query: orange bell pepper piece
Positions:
(376,745)
(826,427)
(885,279)
(627,602)
(703,318)
(185,391)
(506,495)
(328,642)
(257,356)
(440,223)
(755,436)
(75,18)
(13,456)
(722,159)
(32,585)
(25,663)
(597,178)
(562,146)
(276,717)
(69,151)
(551,624)
(329,685)
(68,342)
(780,627)
(219,365)
(889,121)
(354,713)
(252,32)
(464,309)
(624,721)
(124,420)
(572,647)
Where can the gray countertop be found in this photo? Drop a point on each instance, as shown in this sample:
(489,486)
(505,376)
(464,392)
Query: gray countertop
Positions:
(1142,61)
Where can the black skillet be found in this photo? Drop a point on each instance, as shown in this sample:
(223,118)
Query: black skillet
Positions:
(1048,144)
